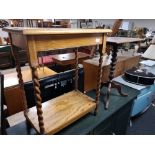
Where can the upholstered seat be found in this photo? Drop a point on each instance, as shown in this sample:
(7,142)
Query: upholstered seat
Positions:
(45,60)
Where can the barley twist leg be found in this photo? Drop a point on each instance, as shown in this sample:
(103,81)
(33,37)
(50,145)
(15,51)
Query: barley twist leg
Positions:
(20,78)
(76,69)
(99,80)
(111,75)
(38,99)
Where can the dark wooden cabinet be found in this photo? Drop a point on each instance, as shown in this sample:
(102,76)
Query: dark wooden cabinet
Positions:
(22,57)
(5,57)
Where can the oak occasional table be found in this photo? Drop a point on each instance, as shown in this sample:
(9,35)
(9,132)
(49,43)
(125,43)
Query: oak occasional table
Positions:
(56,114)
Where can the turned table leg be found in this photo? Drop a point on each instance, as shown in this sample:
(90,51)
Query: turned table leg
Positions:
(38,98)
(111,75)
(99,80)
(76,69)
(20,78)
(111,84)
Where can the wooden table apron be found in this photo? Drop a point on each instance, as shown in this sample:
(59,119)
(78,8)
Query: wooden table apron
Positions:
(35,40)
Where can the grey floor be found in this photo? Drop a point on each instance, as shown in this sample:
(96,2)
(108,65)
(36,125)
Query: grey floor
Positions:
(144,124)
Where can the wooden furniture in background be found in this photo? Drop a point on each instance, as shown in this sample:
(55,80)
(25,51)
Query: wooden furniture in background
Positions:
(17,22)
(69,58)
(115,28)
(115,42)
(5,57)
(35,40)
(2,102)
(90,69)
(23,58)
(1,43)
(12,91)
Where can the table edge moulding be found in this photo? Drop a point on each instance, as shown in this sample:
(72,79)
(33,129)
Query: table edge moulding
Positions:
(43,39)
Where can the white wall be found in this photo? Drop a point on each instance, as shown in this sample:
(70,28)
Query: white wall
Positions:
(3,33)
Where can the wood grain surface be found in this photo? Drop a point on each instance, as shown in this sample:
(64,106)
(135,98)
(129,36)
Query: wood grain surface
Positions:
(90,69)
(69,58)
(34,40)
(62,111)
(36,31)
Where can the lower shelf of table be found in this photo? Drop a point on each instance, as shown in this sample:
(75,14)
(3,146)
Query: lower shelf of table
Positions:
(62,111)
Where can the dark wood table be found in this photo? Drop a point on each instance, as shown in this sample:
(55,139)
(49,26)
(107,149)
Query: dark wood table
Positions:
(115,42)
(69,58)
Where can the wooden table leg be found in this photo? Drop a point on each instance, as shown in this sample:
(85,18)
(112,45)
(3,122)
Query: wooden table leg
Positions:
(38,98)
(111,76)
(20,78)
(119,88)
(76,69)
(98,91)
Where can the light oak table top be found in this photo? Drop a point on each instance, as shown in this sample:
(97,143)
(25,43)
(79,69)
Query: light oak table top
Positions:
(44,39)
(38,31)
